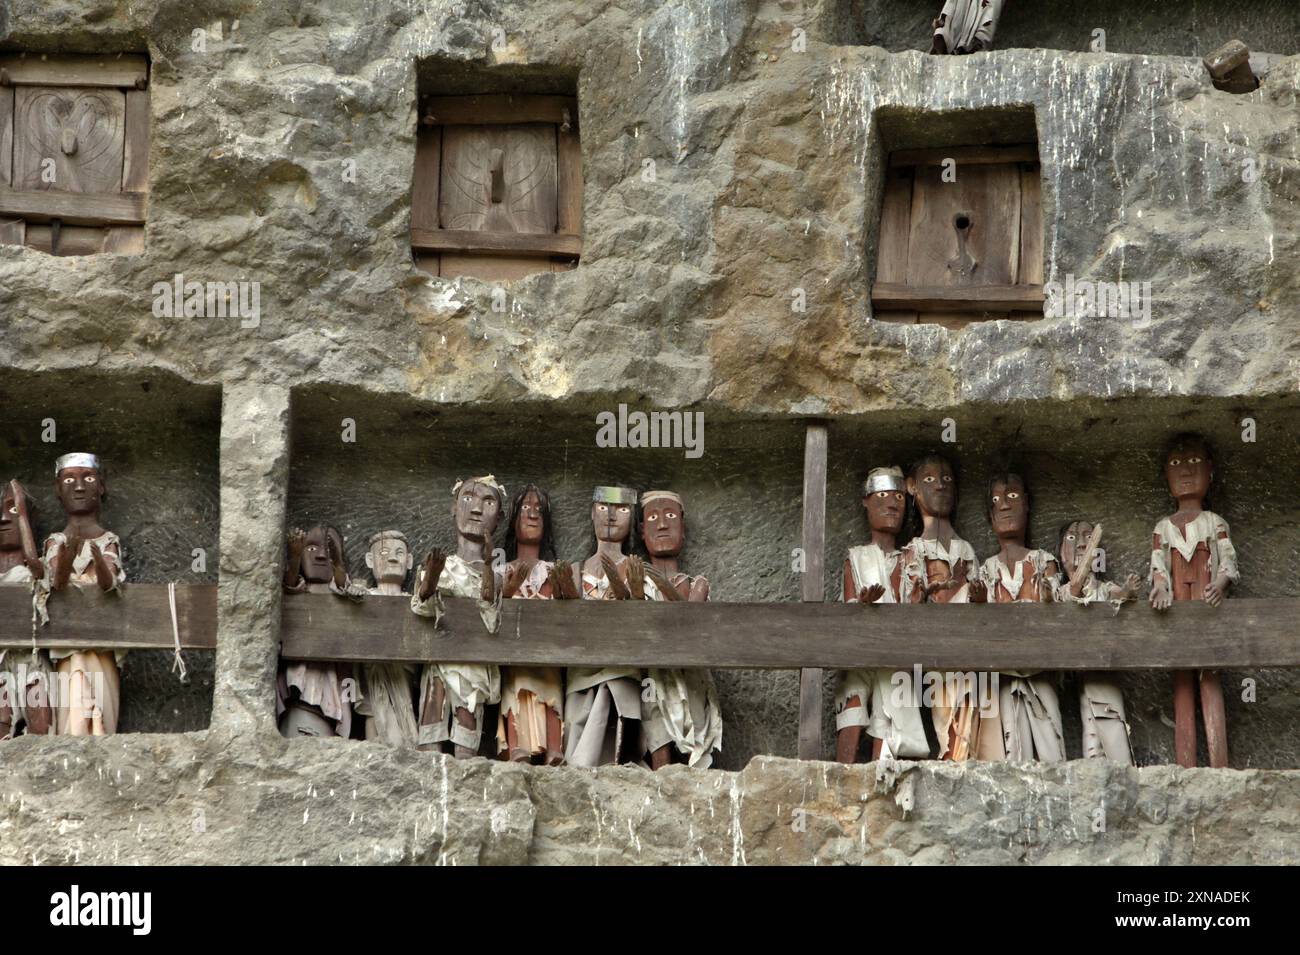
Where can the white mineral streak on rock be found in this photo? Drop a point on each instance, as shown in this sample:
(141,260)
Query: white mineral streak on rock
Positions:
(445,300)
(445,800)
(737,833)
(693,42)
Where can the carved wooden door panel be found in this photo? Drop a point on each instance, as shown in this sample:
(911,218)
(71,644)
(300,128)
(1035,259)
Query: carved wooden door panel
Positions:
(955,250)
(497,193)
(69,138)
(498,178)
(74,142)
(967,232)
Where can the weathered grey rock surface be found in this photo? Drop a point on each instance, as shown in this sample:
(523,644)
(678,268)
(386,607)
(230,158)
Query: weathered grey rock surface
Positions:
(768,165)
(202,799)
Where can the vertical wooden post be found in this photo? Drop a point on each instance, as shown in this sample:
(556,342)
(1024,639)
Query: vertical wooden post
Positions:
(814,553)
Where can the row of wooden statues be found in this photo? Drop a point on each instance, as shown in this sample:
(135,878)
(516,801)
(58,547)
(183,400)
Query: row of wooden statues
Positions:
(583,717)
(615,714)
(69,692)
(1192,558)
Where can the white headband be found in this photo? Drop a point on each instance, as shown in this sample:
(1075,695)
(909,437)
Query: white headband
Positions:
(649,496)
(78,459)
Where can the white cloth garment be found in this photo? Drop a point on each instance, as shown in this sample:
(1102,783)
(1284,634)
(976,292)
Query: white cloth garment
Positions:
(994,572)
(1101,704)
(1208,528)
(83,575)
(968,20)
(387,701)
(599,701)
(889,698)
(681,706)
(468,685)
(922,550)
(26,676)
(965,728)
(1030,710)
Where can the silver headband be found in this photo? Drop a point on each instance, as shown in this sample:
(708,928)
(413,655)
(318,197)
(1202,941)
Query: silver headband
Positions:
(883,479)
(613,495)
(77,459)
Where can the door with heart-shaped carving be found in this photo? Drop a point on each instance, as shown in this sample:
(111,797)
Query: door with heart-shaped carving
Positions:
(69,139)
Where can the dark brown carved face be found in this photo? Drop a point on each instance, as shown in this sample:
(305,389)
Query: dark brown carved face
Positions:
(10,535)
(1188,470)
(477,510)
(663,527)
(1009,508)
(934,488)
(529,528)
(612,522)
(885,510)
(1074,545)
(80,490)
(316,566)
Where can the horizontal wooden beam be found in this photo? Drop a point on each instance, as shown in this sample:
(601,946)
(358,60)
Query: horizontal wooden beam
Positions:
(969,155)
(495,243)
(47,69)
(1243,633)
(956,298)
(75,208)
(791,636)
(496,109)
(138,618)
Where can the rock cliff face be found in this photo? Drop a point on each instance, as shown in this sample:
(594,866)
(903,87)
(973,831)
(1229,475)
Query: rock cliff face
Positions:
(283,142)
(202,798)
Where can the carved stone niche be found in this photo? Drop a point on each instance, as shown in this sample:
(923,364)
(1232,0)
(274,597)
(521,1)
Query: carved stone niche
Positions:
(497,191)
(961,236)
(74,152)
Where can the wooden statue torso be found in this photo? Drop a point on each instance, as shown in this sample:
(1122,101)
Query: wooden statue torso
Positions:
(1189,578)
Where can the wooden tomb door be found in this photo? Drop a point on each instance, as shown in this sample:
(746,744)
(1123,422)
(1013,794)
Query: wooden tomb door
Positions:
(969,249)
(74,153)
(497,192)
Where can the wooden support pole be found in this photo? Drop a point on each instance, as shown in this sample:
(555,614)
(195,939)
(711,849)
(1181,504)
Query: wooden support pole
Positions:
(813,584)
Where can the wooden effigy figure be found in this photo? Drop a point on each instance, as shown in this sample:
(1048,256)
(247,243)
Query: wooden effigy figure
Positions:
(874,574)
(1029,711)
(531,724)
(1101,704)
(1192,558)
(386,697)
(681,718)
(966,26)
(603,705)
(941,568)
(87,556)
(25,675)
(313,698)
(453,695)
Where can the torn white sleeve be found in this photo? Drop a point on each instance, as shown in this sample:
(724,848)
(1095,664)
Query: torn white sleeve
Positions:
(1159,563)
(1227,554)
